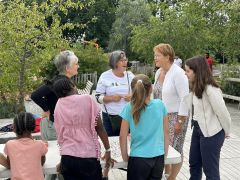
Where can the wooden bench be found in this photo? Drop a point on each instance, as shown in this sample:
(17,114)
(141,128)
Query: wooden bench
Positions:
(87,89)
(228,96)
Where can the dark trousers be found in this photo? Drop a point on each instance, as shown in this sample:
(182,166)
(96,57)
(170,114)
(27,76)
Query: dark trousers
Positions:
(145,168)
(76,168)
(112,124)
(205,154)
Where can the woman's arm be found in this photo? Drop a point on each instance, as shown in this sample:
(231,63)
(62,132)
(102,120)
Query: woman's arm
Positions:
(104,138)
(219,107)
(43,160)
(123,139)
(4,161)
(39,96)
(102,133)
(182,88)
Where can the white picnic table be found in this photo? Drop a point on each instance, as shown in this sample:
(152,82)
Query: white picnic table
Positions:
(5,136)
(53,157)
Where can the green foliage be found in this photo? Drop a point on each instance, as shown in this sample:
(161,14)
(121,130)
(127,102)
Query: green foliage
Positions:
(232,30)
(7,110)
(184,30)
(129,14)
(103,14)
(230,70)
(93,19)
(30,35)
(90,58)
(192,28)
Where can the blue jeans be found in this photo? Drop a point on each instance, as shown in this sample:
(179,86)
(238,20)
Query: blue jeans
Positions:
(205,154)
(76,168)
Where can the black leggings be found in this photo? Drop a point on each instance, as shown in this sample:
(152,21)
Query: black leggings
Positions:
(145,168)
(76,168)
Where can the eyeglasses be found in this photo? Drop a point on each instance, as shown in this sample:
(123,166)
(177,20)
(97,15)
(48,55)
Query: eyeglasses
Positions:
(124,59)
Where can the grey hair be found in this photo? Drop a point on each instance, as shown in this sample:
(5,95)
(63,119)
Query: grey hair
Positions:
(65,59)
(115,57)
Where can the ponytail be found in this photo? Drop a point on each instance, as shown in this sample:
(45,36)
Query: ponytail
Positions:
(141,86)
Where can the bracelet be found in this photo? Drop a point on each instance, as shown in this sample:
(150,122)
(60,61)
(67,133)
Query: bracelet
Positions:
(108,150)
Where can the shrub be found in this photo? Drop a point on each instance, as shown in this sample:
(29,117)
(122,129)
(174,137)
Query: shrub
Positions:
(230,71)
(7,110)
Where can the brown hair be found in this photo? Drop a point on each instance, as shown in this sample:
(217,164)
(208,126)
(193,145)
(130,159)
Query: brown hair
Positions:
(166,50)
(141,86)
(203,75)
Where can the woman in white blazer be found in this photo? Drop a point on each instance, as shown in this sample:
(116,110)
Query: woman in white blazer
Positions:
(210,119)
(171,85)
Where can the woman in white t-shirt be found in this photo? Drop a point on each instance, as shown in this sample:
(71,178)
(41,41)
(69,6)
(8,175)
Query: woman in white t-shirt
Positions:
(172,84)
(113,92)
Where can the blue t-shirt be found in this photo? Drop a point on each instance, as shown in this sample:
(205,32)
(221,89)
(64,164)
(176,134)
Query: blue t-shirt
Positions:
(147,137)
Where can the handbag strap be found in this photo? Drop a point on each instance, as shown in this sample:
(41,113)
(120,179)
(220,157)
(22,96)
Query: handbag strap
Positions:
(128,83)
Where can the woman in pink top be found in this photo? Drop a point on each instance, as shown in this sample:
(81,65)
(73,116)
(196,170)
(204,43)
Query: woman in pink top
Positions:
(25,156)
(78,125)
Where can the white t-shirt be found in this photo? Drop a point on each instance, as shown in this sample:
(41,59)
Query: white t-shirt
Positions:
(175,88)
(109,84)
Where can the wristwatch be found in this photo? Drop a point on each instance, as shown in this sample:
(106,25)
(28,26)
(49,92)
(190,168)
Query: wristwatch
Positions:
(180,121)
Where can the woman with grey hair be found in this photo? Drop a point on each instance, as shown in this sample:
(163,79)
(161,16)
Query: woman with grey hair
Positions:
(113,92)
(67,66)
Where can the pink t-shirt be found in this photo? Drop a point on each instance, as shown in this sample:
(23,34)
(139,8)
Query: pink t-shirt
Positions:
(75,121)
(25,158)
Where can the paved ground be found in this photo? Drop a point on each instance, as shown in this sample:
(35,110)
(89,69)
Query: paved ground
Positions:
(230,155)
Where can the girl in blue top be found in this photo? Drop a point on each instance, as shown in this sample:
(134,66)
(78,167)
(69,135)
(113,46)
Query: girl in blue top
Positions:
(148,123)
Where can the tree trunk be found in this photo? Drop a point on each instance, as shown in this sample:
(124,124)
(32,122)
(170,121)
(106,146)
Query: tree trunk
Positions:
(21,84)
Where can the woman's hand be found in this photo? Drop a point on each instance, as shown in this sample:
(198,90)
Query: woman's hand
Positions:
(109,162)
(116,98)
(58,168)
(45,114)
(4,161)
(127,98)
(177,127)
(227,136)
(179,124)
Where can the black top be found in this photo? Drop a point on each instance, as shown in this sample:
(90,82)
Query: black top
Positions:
(45,97)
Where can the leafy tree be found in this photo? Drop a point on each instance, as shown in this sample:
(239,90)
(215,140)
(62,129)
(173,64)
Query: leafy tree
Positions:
(96,20)
(232,32)
(30,35)
(184,30)
(129,14)
(191,27)
(103,13)
(90,59)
